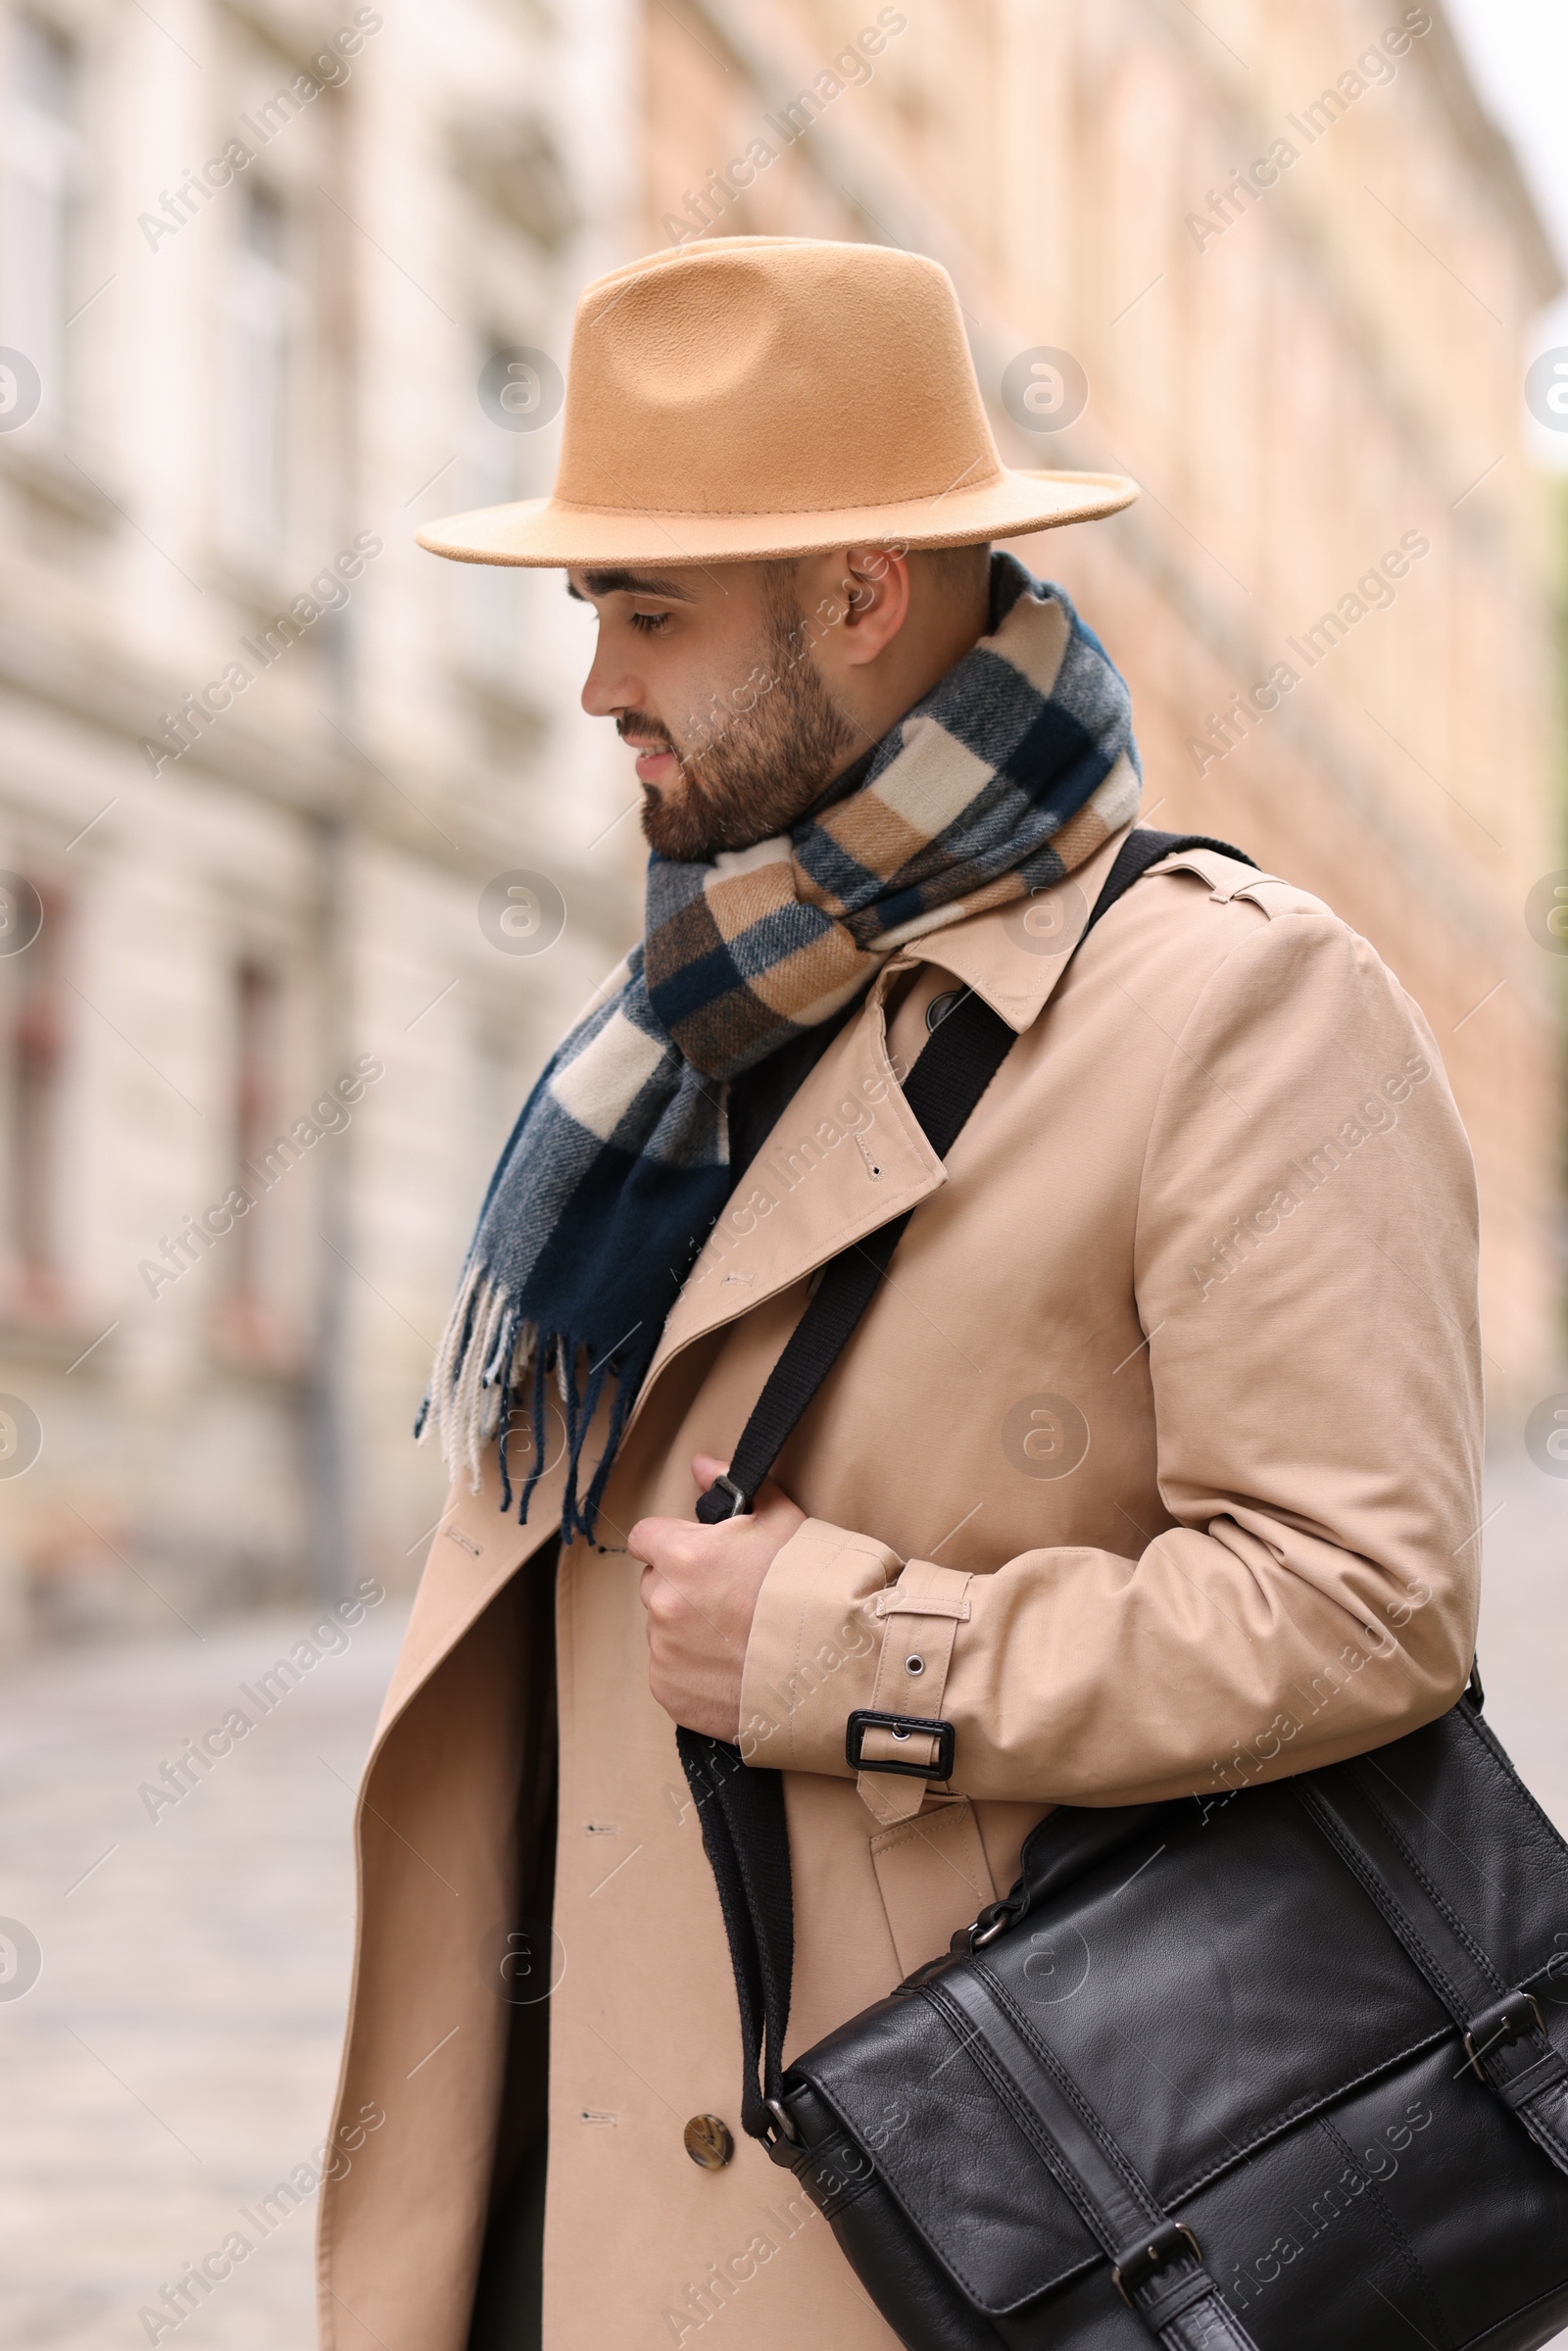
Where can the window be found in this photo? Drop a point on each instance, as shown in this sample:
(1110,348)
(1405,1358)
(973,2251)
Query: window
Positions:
(34,1069)
(257,310)
(499,605)
(255,1105)
(488,476)
(38,205)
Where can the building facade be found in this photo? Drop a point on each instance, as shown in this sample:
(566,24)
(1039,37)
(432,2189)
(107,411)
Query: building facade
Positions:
(1275,263)
(307,852)
(260,758)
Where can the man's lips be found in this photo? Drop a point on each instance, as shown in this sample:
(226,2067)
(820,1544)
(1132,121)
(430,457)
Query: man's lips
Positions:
(656,761)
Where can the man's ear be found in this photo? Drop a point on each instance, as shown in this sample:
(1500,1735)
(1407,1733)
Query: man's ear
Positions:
(873,588)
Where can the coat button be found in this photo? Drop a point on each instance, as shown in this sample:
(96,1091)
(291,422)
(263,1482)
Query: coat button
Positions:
(708,2141)
(937,1011)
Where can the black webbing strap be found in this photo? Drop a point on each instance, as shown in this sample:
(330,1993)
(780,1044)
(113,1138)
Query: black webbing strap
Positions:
(741,1814)
(741,1811)
(1505,2035)
(966,1049)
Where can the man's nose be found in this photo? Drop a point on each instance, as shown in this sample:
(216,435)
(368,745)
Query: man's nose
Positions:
(609,687)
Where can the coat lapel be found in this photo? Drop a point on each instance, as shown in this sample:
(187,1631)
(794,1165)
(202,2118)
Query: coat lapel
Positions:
(473,1551)
(847,1155)
(845,1158)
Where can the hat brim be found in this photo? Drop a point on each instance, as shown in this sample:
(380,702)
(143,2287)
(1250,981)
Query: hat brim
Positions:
(547,531)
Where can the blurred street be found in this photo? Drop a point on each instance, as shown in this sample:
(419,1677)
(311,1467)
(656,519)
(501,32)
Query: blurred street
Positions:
(177,2056)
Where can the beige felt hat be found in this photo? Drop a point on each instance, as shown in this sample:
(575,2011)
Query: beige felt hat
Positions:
(772,396)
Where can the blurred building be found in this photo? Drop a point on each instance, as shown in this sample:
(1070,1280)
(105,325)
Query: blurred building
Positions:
(298,804)
(261,758)
(1273,261)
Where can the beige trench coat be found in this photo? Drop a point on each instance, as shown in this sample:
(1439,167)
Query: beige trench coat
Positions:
(1158,1450)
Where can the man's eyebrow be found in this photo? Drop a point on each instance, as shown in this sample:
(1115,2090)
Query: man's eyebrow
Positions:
(634,583)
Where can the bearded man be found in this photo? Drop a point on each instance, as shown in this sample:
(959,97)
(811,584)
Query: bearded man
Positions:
(1148,1464)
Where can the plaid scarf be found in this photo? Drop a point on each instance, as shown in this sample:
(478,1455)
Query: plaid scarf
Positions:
(1013,769)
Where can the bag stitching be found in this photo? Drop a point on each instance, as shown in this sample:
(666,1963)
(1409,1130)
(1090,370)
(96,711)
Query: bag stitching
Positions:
(1082,2266)
(1306,2108)
(1403,2246)
(1017,2104)
(1435,1896)
(1132,2178)
(1398,1922)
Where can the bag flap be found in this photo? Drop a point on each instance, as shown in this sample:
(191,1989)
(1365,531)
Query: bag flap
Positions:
(1207,1986)
(1072,1839)
(1209,1979)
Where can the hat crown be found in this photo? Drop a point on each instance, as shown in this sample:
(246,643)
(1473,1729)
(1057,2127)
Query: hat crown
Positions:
(771,375)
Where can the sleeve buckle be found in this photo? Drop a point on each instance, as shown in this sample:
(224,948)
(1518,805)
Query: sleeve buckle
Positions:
(901,1727)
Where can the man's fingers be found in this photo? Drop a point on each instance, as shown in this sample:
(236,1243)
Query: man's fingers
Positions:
(663,1600)
(651,1535)
(705,1467)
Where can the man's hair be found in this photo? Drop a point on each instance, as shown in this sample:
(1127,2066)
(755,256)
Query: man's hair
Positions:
(959,575)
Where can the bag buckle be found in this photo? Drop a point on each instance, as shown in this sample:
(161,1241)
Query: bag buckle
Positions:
(1170,2241)
(1518,2013)
(901,1726)
(783,2123)
(740,1502)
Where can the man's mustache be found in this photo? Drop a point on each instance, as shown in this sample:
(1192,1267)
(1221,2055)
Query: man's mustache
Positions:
(648,734)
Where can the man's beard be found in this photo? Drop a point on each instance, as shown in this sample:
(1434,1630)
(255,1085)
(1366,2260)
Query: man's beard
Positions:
(760,768)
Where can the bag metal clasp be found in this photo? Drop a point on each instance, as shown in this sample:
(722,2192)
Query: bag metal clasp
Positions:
(1501,2025)
(1136,2268)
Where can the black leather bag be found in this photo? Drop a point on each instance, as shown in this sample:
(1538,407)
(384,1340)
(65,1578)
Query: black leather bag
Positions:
(1274,2071)
(1277,2069)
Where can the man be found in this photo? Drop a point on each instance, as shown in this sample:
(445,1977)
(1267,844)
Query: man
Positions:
(1151,1467)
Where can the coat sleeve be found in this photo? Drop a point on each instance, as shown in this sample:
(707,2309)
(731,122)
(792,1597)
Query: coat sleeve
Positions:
(1315,1369)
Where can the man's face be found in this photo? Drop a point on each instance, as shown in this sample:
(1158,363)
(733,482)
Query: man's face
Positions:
(708,672)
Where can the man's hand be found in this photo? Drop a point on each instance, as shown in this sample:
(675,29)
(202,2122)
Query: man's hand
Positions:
(700,1588)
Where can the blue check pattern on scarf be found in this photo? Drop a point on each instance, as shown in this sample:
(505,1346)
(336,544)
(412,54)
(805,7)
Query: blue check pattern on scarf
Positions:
(1015,767)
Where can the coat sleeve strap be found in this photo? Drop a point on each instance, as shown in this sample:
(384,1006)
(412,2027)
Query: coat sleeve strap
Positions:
(921,1615)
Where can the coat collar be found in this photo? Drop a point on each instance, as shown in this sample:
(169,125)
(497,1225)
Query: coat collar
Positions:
(847,1155)
(1014,955)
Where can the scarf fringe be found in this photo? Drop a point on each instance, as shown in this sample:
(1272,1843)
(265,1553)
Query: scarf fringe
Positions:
(484,1356)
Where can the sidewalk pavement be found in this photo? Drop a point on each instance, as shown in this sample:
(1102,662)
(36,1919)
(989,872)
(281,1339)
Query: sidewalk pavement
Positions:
(177,2056)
